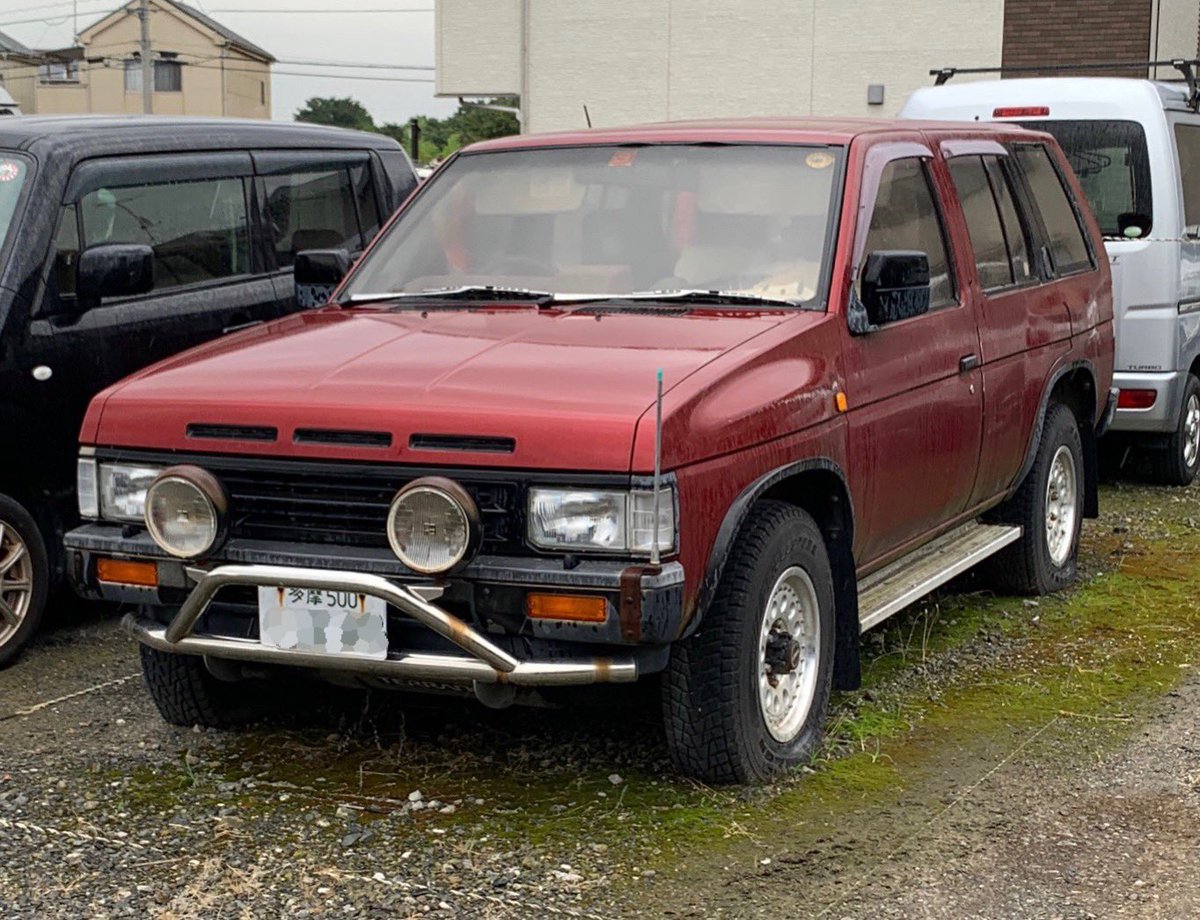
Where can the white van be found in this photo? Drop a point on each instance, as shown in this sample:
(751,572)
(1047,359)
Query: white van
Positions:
(1135,146)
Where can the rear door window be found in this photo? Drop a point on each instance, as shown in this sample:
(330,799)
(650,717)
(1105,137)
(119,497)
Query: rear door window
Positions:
(1112,164)
(321,208)
(983,222)
(1064,235)
(1016,236)
(906,217)
(198,230)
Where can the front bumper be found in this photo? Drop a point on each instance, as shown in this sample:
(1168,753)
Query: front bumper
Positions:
(461,645)
(1163,416)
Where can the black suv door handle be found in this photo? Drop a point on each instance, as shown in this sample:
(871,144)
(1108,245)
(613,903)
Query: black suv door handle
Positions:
(968,363)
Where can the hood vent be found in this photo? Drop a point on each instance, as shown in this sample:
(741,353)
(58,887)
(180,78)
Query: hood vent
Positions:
(337,438)
(232,432)
(469,443)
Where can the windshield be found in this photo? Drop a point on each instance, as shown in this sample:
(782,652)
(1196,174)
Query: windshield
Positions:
(12,179)
(615,221)
(1112,164)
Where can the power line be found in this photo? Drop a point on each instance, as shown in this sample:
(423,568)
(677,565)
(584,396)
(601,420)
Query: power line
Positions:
(368,66)
(294,12)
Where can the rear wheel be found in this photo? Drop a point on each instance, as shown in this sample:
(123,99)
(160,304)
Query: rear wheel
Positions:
(745,696)
(1177,465)
(24,579)
(1048,507)
(186,692)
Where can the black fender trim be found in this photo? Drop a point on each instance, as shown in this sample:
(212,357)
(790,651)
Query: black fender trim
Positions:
(1087,433)
(846,665)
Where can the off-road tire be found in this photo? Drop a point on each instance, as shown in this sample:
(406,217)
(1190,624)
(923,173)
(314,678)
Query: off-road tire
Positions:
(714,724)
(1169,467)
(1026,567)
(13,515)
(187,694)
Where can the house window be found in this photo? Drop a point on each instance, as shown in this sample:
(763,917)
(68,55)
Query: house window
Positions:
(59,72)
(168,76)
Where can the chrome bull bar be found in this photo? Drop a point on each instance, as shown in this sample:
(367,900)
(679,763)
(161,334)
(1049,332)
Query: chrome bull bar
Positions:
(488,663)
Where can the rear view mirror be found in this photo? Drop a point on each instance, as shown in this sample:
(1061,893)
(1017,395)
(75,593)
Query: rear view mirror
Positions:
(113,270)
(895,286)
(315,274)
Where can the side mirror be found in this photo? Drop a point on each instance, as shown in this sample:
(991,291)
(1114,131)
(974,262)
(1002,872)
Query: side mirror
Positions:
(315,274)
(895,286)
(113,270)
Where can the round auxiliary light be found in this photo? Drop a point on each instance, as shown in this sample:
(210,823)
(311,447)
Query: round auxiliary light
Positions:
(185,510)
(433,525)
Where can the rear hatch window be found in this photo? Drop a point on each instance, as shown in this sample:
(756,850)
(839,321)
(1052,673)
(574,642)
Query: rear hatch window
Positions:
(1113,167)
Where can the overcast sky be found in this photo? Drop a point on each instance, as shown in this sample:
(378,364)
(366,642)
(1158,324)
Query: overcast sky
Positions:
(381,36)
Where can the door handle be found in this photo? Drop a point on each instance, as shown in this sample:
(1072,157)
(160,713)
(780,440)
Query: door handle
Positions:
(968,363)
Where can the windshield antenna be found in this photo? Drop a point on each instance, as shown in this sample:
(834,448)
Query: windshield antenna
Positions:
(657,467)
(587,115)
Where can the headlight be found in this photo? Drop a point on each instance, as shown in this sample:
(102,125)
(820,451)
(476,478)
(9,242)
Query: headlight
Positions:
(122,490)
(604,521)
(185,510)
(433,525)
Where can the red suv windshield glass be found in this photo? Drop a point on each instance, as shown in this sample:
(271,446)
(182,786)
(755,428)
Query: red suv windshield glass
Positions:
(616,220)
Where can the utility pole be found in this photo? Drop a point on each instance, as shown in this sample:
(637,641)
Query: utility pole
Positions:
(147,61)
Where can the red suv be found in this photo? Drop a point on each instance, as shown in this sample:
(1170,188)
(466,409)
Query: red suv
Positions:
(703,400)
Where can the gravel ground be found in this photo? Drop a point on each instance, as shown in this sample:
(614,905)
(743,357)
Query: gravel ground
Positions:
(357,806)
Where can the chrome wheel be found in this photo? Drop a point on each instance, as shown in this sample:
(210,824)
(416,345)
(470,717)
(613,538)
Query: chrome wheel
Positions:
(788,648)
(1061,506)
(16,581)
(1191,431)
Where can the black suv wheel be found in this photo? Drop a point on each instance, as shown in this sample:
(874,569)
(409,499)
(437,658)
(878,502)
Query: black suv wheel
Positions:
(24,579)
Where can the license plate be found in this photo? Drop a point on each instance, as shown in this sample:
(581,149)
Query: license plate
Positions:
(325,622)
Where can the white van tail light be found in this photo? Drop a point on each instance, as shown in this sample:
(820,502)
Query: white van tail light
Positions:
(1021,111)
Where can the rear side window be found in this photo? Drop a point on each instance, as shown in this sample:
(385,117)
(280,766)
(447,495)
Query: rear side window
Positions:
(1068,248)
(1112,165)
(906,218)
(318,209)
(983,222)
(198,230)
(1015,233)
(1187,140)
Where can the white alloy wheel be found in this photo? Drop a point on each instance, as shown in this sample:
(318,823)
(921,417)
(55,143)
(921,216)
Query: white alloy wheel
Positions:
(16,581)
(1062,506)
(789,648)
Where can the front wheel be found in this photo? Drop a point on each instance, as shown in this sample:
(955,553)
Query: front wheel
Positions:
(24,579)
(186,692)
(745,696)
(1048,506)
(1177,465)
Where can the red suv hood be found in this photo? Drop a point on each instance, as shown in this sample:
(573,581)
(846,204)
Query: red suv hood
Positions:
(567,386)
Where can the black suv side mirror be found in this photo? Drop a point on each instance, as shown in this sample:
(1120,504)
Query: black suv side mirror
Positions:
(315,274)
(113,270)
(895,286)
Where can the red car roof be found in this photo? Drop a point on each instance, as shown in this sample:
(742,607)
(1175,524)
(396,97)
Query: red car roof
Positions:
(741,130)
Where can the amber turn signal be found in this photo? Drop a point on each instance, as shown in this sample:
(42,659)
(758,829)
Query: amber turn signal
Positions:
(573,607)
(126,572)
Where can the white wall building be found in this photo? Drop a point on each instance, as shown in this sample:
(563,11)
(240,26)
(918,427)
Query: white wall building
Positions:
(650,60)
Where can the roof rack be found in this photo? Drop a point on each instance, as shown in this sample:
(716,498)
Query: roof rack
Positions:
(1185,66)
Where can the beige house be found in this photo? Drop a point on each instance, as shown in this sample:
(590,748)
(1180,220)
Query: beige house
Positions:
(200,68)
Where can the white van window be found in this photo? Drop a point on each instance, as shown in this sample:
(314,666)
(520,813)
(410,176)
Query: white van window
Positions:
(1187,140)
(1113,167)
(1068,248)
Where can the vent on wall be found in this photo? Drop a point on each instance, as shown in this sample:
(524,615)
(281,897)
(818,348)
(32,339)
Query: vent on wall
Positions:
(463,442)
(232,432)
(341,438)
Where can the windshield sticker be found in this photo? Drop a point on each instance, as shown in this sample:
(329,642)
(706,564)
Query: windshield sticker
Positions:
(819,160)
(622,158)
(9,170)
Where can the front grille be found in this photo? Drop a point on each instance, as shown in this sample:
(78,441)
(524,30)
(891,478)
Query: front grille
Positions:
(350,506)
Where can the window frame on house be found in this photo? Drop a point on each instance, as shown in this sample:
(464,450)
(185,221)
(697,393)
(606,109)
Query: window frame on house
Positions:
(47,72)
(133,75)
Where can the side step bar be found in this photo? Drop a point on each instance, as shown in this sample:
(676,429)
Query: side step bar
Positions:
(911,577)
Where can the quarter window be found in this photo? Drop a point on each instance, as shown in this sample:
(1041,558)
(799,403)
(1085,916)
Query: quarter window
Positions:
(1068,249)
(906,218)
(1187,139)
(983,222)
(198,230)
(318,209)
(66,250)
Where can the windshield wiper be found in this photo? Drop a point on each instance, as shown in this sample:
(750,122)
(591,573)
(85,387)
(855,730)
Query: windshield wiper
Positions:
(697,296)
(479,292)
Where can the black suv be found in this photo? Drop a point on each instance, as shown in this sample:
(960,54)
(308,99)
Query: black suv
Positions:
(125,240)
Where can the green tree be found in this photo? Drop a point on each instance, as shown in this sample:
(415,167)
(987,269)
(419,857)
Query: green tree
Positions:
(340,112)
(440,137)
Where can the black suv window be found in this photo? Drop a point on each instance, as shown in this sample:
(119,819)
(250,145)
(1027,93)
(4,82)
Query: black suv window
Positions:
(198,230)
(1068,248)
(330,208)
(906,217)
